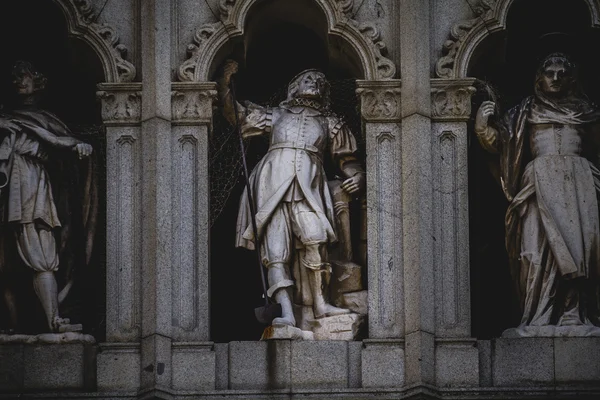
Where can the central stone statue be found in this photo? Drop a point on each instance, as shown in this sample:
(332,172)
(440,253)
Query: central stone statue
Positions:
(294,209)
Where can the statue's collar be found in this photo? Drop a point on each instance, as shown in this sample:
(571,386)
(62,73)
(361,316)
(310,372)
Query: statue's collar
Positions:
(299,109)
(298,105)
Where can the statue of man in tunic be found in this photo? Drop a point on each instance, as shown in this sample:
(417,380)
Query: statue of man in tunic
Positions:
(294,208)
(548,147)
(31,139)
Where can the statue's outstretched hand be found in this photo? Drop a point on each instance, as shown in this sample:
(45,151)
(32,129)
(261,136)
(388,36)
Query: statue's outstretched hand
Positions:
(83,150)
(354,184)
(8,125)
(486,109)
(230,68)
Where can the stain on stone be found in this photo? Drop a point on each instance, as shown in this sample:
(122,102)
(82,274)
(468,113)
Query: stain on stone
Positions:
(160,368)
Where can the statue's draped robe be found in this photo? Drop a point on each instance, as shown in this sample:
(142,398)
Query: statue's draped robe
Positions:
(552,223)
(49,193)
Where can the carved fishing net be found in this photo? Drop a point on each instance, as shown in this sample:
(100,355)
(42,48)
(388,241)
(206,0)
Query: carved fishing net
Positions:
(225,159)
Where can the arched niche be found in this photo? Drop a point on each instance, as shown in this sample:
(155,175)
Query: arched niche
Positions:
(279,41)
(214,41)
(502,47)
(75,53)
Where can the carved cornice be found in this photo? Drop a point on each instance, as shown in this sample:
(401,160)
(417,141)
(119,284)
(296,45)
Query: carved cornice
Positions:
(380,100)
(121,103)
(451,99)
(192,103)
(363,37)
(81,23)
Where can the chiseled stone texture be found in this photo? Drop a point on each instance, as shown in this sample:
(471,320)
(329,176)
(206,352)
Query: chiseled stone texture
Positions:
(523,362)
(382,363)
(61,366)
(457,363)
(118,367)
(193,367)
(319,364)
(259,365)
(11,367)
(577,360)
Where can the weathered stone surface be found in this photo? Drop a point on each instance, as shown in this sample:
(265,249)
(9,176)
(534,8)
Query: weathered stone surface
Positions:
(338,327)
(286,332)
(11,367)
(523,362)
(457,363)
(118,367)
(259,365)
(577,360)
(382,363)
(319,364)
(357,302)
(194,366)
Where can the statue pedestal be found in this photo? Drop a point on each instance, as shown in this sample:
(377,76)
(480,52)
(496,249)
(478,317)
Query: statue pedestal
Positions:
(553,331)
(285,332)
(338,327)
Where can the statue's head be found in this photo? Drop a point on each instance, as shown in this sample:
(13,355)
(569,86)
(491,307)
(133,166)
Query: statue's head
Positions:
(27,79)
(555,76)
(309,84)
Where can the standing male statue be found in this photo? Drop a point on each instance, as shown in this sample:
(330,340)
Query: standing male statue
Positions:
(294,209)
(38,209)
(546,145)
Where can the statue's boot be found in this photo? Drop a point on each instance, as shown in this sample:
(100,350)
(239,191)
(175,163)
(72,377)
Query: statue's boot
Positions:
(282,296)
(320,307)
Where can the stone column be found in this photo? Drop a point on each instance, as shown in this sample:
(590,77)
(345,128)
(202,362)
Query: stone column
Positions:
(383,354)
(121,114)
(193,355)
(417,193)
(456,354)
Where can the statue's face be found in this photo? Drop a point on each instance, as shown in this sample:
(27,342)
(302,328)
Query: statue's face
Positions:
(24,84)
(555,79)
(311,86)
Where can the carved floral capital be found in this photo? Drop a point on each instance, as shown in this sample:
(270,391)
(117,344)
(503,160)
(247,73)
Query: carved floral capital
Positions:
(451,99)
(192,103)
(379,100)
(121,103)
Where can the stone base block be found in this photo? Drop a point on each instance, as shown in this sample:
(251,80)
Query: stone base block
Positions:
(456,363)
(259,365)
(317,365)
(36,367)
(194,366)
(553,331)
(523,362)
(577,360)
(382,363)
(357,302)
(118,367)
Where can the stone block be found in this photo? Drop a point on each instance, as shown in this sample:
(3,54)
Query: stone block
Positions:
(319,364)
(259,365)
(577,360)
(56,366)
(118,367)
(193,366)
(523,362)
(221,365)
(457,363)
(354,364)
(485,362)
(382,364)
(11,368)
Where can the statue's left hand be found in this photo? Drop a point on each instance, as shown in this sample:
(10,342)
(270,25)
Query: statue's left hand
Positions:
(83,149)
(354,184)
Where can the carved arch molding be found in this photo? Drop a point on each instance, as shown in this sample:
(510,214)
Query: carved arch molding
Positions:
(490,16)
(364,37)
(102,38)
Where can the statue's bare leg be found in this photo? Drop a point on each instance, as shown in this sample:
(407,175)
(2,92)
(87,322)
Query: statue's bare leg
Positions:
(46,289)
(313,261)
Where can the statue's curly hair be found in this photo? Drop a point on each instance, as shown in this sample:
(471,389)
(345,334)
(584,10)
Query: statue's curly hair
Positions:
(25,67)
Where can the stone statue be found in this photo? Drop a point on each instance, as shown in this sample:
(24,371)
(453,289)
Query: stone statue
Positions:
(547,146)
(47,209)
(295,211)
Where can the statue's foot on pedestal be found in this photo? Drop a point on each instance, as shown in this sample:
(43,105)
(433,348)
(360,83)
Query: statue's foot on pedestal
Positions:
(327,310)
(70,328)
